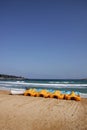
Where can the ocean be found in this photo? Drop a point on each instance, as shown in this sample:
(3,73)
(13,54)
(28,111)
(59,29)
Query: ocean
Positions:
(59,84)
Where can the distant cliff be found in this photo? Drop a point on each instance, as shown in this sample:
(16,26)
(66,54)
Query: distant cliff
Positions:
(11,77)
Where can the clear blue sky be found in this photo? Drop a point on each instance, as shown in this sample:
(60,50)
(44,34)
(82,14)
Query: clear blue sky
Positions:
(43,38)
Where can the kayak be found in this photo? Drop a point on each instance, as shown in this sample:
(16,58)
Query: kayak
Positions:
(17,91)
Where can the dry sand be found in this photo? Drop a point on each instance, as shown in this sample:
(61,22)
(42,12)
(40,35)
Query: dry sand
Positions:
(37,113)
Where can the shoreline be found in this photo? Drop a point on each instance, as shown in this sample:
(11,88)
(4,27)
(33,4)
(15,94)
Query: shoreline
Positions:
(24,112)
(82,95)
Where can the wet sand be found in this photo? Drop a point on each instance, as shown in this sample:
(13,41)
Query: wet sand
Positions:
(37,113)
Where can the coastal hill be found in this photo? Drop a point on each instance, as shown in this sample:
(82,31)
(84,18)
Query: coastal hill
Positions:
(11,77)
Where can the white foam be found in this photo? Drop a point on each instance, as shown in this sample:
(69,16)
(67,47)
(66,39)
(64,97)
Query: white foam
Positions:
(83,95)
(58,85)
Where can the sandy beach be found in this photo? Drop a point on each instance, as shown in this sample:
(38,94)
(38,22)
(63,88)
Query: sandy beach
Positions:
(37,113)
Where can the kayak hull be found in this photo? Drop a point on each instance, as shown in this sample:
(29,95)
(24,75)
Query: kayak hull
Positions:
(17,91)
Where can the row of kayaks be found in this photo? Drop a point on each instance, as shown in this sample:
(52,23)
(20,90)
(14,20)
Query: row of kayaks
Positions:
(48,93)
(52,94)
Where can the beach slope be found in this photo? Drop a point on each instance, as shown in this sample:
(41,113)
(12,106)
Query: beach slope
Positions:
(37,113)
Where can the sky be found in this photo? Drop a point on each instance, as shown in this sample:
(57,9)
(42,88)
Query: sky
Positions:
(43,38)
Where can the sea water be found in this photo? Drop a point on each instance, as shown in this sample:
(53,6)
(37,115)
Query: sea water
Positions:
(51,84)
